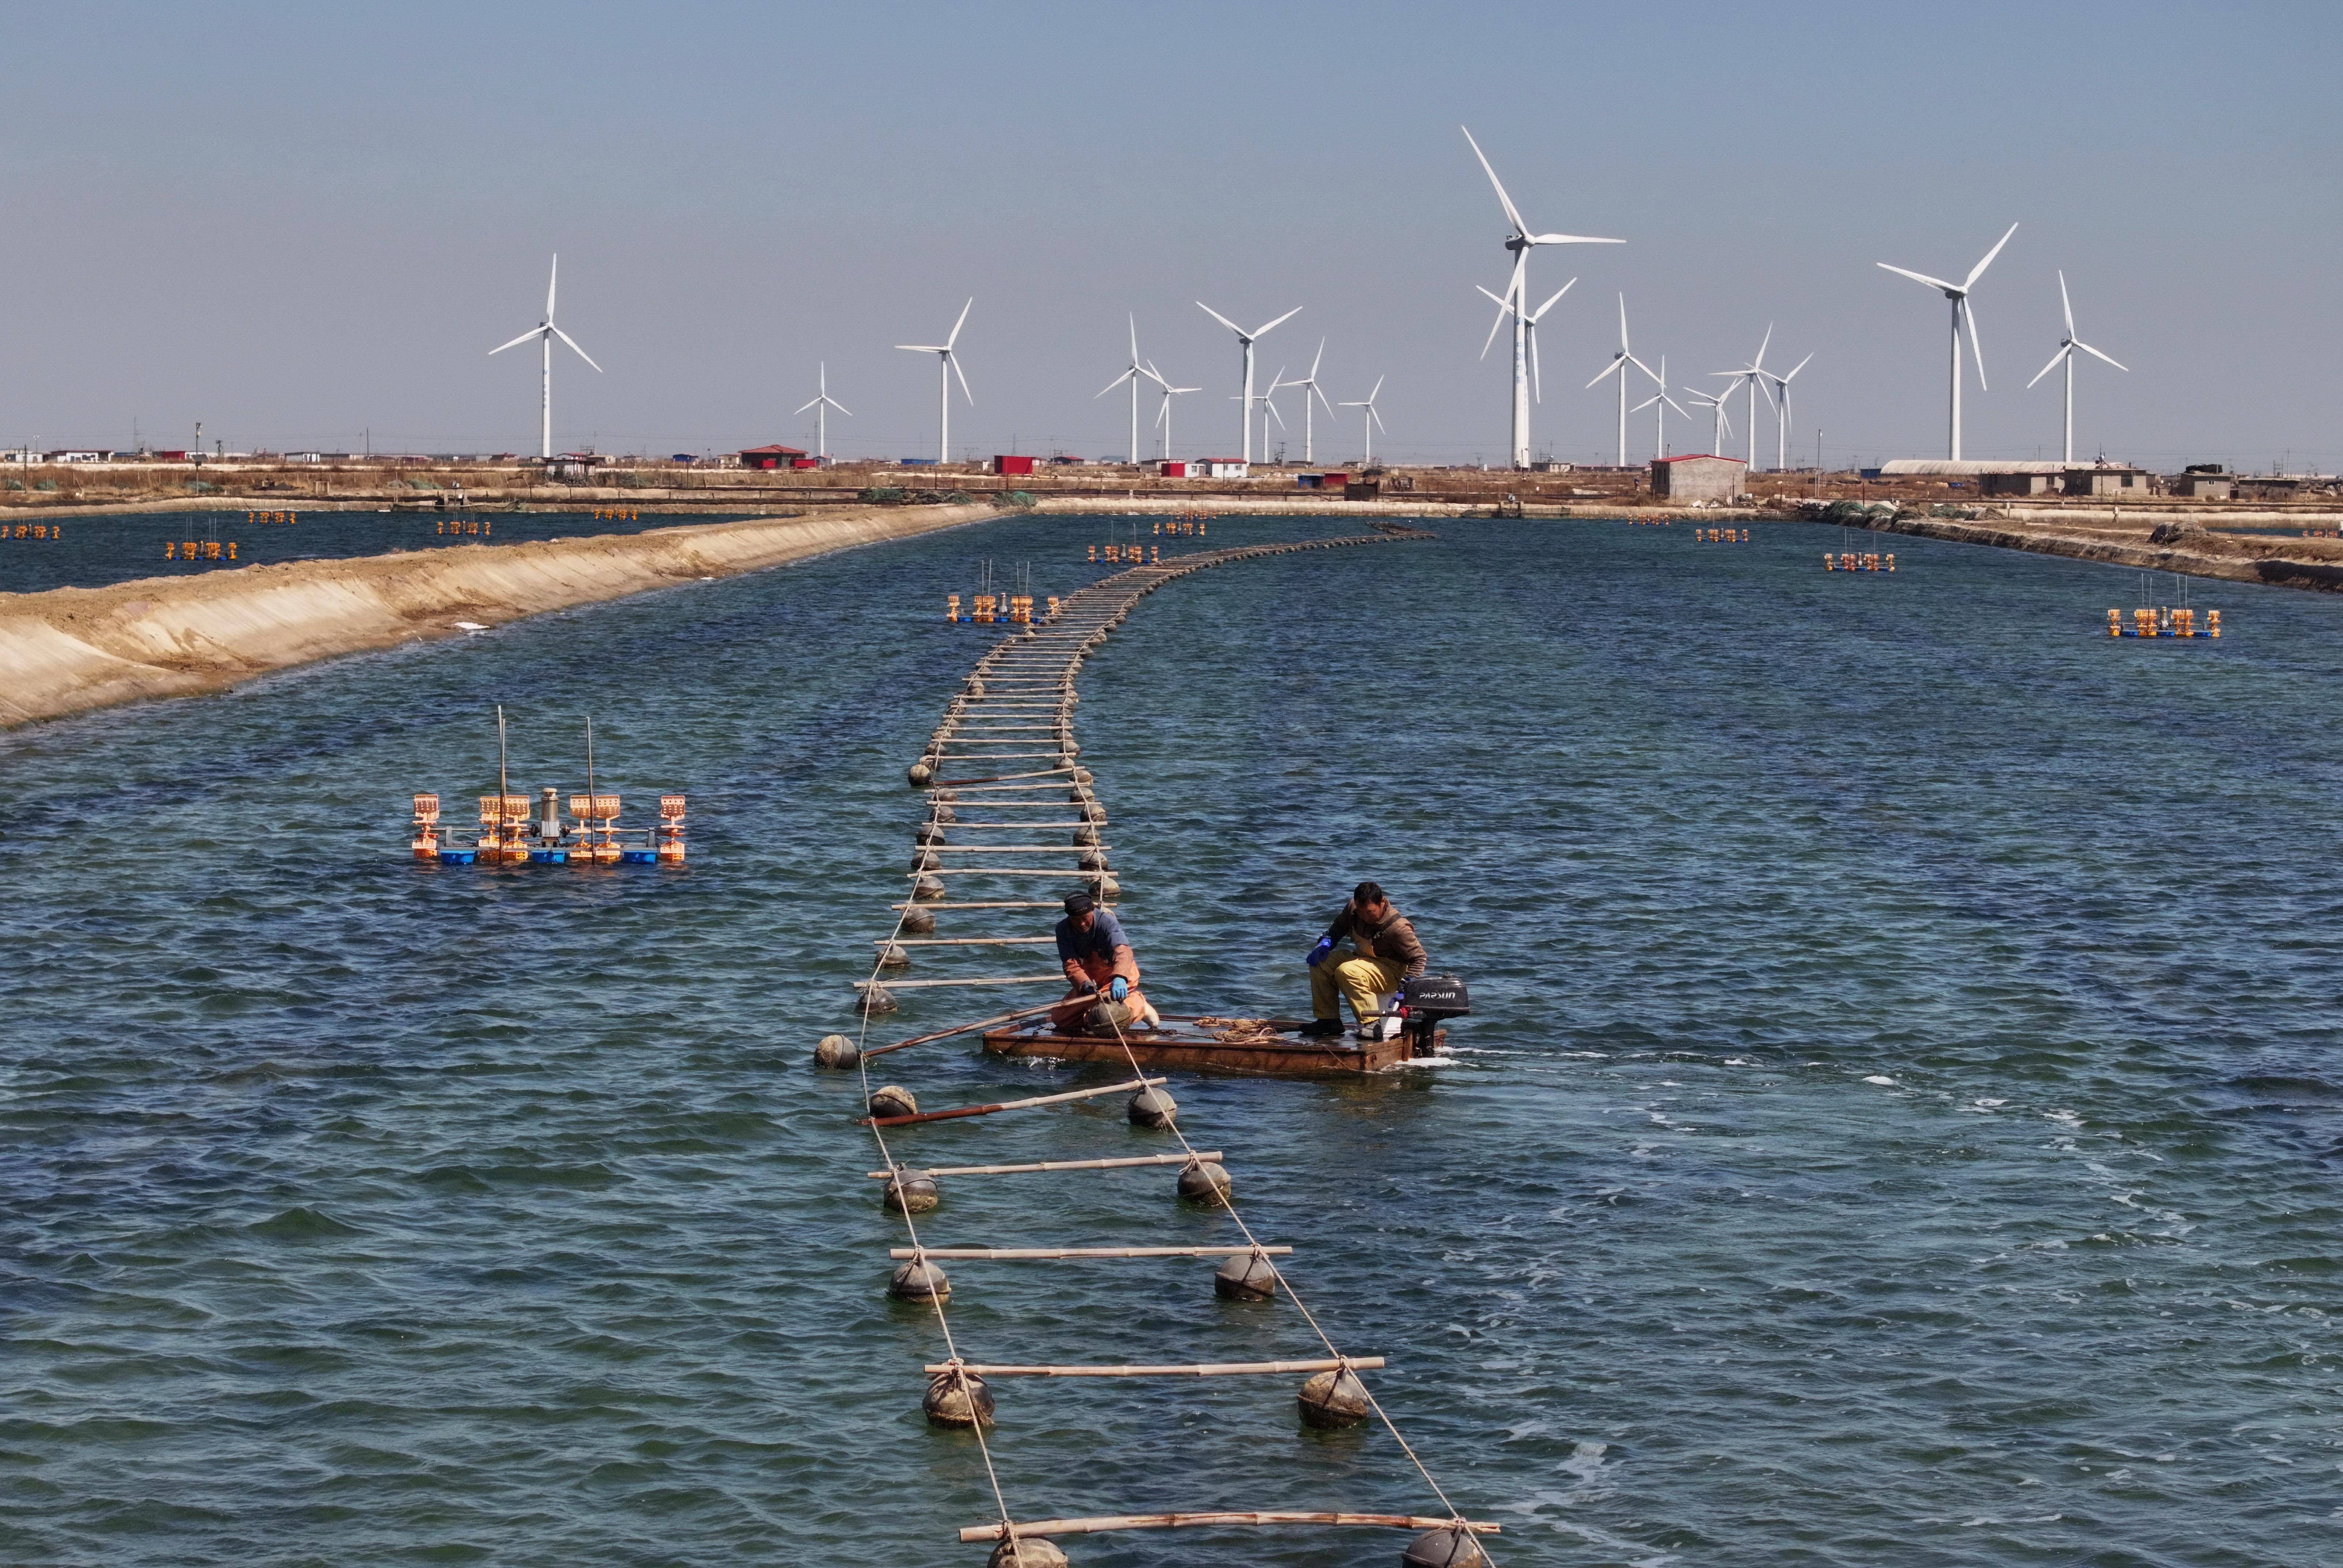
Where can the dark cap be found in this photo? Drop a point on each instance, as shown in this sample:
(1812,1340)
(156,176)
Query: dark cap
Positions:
(1080,904)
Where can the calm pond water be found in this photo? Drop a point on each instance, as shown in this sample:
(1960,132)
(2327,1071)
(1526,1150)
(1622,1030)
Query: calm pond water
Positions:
(1899,1125)
(92,552)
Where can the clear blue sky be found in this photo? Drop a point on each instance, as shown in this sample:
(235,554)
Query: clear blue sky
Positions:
(299,223)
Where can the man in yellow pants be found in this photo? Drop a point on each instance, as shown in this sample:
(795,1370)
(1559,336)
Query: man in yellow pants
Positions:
(1384,951)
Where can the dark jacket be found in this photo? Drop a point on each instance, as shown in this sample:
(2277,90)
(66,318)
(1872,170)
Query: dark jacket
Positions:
(1393,940)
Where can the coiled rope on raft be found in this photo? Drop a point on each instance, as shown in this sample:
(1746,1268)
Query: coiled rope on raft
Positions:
(1015,682)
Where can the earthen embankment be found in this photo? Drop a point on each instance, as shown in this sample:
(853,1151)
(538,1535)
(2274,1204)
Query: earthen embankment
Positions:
(69,649)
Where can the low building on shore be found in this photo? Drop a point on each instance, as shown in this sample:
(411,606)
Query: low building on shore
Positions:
(2107,479)
(1225,467)
(771,457)
(1697,477)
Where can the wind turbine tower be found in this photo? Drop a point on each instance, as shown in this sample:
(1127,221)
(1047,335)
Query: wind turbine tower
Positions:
(1244,405)
(1664,403)
(545,332)
(822,404)
(1520,243)
(948,367)
(1618,367)
(1309,385)
(2066,354)
(1373,421)
(1958,293)
(1163,414)
(1134,374)
(1780,398)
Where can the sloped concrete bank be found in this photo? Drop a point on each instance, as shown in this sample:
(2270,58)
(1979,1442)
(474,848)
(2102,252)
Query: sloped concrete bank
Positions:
(68,649)
(2190,551)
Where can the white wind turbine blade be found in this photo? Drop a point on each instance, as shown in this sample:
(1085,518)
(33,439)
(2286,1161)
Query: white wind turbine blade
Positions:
(1127,376)
(1978,270)
(1676,406)
(1502,199)
(960,323)
(1134,337)
(1377,392)
(1649,401)
(1273,414)
(1796,369)
(551,278)
(1572,240)
(2066,303)
(1322,401)
(1758,363)
(1373,413)
(2095,354)
(1639,365)
(837,404)
(1157,376)
(1923,277)
(1314,358)
(1223,320)
(1542,309)
(532,332)
(1263,331)
(1504,307)
(1968,311)
(2056,360)
(1622,326)
(803,406)
(953,360)
(1617,361)
(1537,375)
(573,346)
(922,348)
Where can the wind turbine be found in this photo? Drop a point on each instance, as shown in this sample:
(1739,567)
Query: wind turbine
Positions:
(1723,424)
(1244,410)
(1661,398)
(1618,367)
(1520,243)
(1163,414)
(2066,352)
(946,366)
(1529,326)
(1131,375)
(1373,421)
(1269,409)
(1751,375)
(1779,396)
(822,404)
(546,332)
(1958,293)
(1309,385)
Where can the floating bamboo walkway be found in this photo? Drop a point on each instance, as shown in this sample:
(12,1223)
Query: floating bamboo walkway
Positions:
(1016,708)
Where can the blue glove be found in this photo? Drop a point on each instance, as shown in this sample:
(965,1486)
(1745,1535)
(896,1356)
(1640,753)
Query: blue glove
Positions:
(1318,954)
(1120,989)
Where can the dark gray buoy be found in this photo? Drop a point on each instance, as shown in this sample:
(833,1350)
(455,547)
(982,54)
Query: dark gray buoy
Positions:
(1086,835)
(1082,776)
(1246,1277)
(952,1401)
(1033,1552)
(1153,1108)
(943,813)
(1205,1181)
(1334,1399)
(918,1280)
(910,1193)
(836,1052)
(926,861)
(945,796)
(891,957)
(919,922)
(1446,1547)
(1106,887)
(893,1100)
(1092,861)
(927,888)
(919,773)
(928,833)
(876,999)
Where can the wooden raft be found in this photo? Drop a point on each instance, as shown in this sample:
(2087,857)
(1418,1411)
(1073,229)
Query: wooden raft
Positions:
(1180,1044)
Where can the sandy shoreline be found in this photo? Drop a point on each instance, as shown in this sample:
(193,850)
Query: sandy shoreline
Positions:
(69,649)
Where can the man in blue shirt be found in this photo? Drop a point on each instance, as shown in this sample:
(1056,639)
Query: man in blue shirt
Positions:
(1101,974)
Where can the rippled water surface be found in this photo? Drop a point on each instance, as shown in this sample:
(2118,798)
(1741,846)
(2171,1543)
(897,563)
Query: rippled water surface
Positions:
(1899,1125)
(93,552)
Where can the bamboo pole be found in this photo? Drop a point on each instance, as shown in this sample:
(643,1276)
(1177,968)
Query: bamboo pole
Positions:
(1004,778)
(993,904)
(987,980)
(1026,873)
(1015,849)
(1199,1369)
(1136,1083)
(1029,1254)
(963,941)
(1181,1521)
(1049,1165)
(963,1027)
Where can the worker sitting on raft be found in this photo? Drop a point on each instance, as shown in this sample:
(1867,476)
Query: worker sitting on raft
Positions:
(1384,952)
(1101,972)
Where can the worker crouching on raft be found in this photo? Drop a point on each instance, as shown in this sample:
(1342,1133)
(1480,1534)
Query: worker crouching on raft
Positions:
(1385,951)
(1101,972)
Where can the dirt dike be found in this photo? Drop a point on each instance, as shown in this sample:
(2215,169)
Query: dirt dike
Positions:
(69,649)
(2189,551)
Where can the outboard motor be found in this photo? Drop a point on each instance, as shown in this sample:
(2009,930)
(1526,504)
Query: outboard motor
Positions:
(1424,1004)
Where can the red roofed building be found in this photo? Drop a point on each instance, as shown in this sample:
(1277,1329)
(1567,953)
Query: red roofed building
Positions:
(775,457)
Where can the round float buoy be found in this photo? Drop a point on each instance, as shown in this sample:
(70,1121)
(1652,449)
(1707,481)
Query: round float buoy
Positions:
(1086,834)
(918,1280)
(876,1001)
(1246,1277)
(1107,887)
(1205,1181)
(919,922)
(1033,1552)
(957,1400)
(893,1100)
(945,796)
(927,888)
(1082,776)
(928,833)
(926,862)
(1446,1547)
(1093,861)
(836,1052)
(910,1193)
(1067,745)
(1334,1399)
(1153,1108)
(943,814)
(891,957)
(1093,812)
(919,773)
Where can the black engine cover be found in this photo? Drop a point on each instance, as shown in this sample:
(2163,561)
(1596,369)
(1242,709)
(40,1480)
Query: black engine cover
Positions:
(1435,997)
